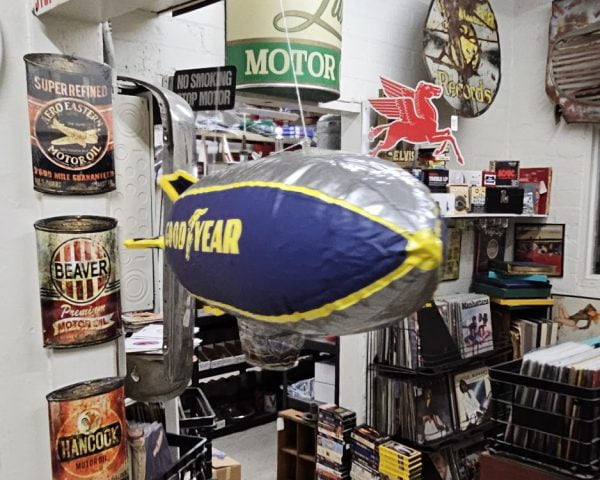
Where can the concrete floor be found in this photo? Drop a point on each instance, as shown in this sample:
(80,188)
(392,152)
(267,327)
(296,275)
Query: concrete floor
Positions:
(255,449)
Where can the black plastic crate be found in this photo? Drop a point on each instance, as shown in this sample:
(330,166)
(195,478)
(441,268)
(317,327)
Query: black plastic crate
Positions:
(546,422)
(198,419)
(190,466)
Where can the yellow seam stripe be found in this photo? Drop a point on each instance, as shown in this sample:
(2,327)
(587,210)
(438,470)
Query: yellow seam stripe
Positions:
(306,191)
(328,308)
(424,251)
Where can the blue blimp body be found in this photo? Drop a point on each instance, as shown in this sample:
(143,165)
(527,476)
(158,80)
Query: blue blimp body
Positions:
(311,242)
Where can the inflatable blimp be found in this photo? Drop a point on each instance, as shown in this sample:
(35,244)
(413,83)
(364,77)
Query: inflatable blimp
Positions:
(308,242)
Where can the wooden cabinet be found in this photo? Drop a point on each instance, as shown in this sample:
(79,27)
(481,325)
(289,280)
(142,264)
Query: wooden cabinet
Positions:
(296,447)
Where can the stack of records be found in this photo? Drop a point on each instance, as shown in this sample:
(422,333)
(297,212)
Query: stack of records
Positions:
(399,462)
(333,442)
(365,453)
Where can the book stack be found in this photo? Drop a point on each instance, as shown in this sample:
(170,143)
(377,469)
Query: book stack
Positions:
(334,429)
(514,280)
(399,462)
(365,453)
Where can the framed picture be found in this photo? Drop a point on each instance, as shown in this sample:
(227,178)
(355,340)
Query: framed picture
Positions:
(451,266)
(578,317)
(489,245)
(541,243)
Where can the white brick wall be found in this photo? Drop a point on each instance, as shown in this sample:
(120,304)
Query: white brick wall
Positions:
(536,139)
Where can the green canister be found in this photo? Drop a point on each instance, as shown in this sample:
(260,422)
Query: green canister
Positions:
(256,44)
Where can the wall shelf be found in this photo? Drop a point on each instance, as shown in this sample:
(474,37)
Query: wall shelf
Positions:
(492,215)
(96,11)
(335,107)
(237,136)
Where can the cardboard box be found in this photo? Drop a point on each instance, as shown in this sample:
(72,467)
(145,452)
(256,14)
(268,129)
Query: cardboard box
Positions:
(489,179)
(465,177)
(324,392)
(325,372)
(477,199)
(507,172)
(436,180)
(504,200)
(446,203)
(226,469)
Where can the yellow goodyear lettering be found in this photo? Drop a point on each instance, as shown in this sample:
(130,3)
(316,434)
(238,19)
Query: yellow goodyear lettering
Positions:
(233,233)
(207,236)
(169,234)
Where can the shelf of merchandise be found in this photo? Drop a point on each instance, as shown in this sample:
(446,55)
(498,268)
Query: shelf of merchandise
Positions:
(492,215)
(102,10)
(502,350)
(254,421)
(309,107)
(523,302)
(238,136)
(214,372)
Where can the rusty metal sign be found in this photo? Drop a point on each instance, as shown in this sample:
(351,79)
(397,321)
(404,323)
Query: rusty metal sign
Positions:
(70,121)
(79,280)
(462,53)
(88,432)
(573,70)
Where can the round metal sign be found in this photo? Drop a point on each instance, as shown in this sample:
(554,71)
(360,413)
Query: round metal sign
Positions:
(462,53)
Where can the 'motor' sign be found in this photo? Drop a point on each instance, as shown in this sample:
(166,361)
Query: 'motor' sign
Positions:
(257,46)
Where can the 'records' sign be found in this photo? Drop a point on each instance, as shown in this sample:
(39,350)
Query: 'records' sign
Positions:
(207,88)
(79,287)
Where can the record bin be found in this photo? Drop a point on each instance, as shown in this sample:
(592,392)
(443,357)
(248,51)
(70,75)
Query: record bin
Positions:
(551,424)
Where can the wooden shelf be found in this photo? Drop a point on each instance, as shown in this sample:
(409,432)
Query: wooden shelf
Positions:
(524,302)
(290,451)
(308,458)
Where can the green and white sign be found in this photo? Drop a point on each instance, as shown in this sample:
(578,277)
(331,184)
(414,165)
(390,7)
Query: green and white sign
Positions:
(257,46)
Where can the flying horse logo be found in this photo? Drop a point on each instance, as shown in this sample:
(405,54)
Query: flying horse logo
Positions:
(415,118)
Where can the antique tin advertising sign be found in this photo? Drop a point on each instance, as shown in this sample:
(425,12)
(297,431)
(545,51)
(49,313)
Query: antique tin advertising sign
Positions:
(70,118)
(256,44)
(79,280)
(462,53)
(88,432)
(206,88)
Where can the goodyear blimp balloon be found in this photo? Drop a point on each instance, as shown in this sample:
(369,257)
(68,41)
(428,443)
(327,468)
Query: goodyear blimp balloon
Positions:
(304,243)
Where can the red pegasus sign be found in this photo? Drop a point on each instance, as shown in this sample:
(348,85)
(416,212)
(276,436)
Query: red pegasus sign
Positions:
(414,118)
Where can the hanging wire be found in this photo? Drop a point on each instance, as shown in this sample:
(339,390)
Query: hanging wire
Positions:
(289,45)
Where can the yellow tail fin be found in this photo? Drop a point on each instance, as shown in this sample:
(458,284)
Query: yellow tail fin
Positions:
(174,184)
